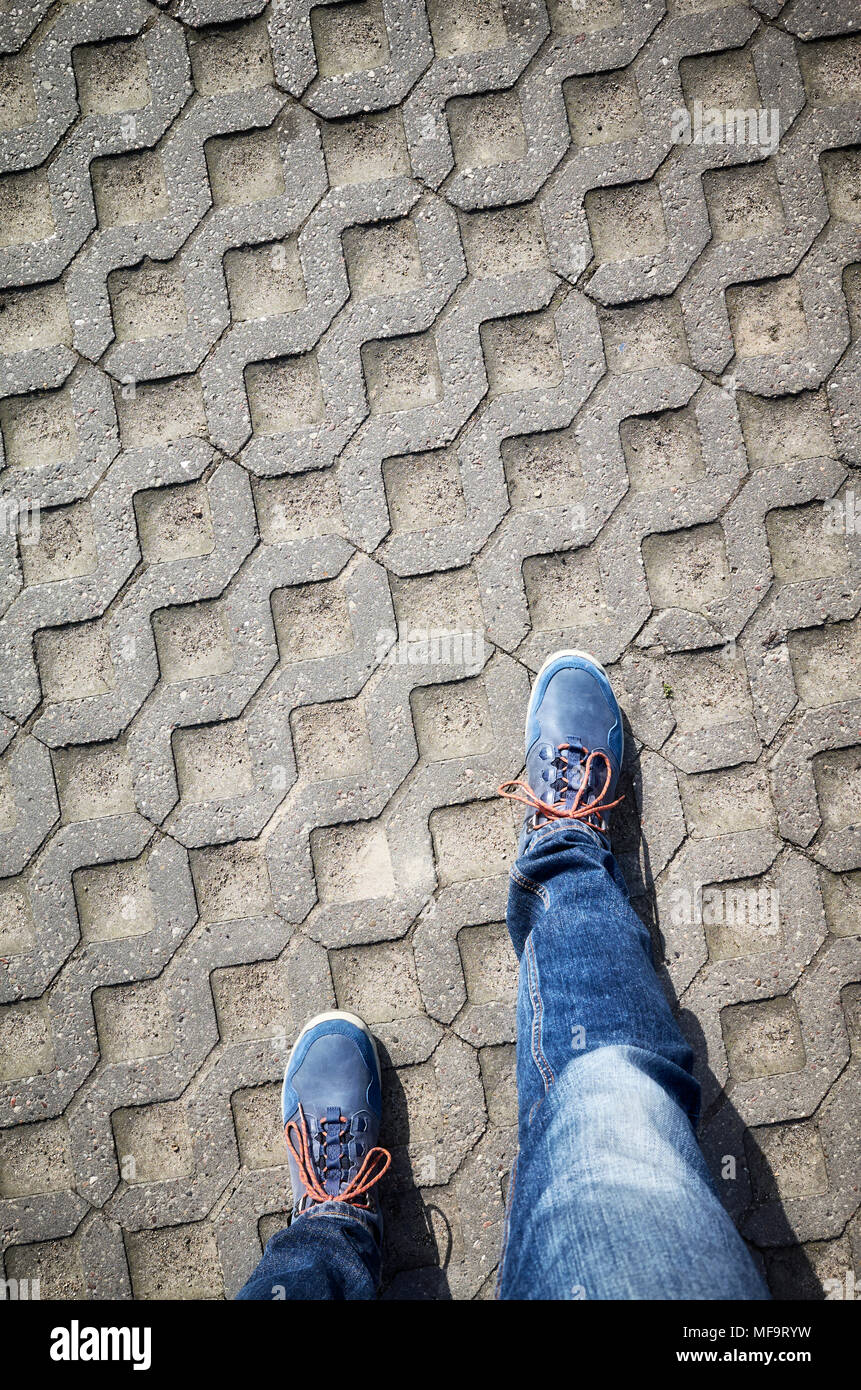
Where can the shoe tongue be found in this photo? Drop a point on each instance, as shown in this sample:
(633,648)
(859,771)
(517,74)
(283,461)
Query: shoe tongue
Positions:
(332,1174)
(571,772)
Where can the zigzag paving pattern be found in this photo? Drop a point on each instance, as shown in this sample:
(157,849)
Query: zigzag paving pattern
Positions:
(353,357)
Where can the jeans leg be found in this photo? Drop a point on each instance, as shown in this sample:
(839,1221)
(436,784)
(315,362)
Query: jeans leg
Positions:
(611,1197)
(330,1252)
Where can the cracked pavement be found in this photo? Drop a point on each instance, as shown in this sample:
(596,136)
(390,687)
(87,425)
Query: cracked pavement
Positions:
(353,357)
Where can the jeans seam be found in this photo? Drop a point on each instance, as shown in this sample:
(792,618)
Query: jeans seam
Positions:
(541,1062)
(562,825)
(530,887)
(320,1213)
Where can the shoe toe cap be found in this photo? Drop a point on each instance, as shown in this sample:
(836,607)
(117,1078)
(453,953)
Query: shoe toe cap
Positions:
(577,701)
(334,1065)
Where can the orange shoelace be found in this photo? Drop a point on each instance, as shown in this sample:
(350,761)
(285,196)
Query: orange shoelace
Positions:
(579,809)
(374,1165)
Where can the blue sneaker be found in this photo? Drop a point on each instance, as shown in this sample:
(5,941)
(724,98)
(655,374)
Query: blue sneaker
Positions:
(574,742)
(331,1105)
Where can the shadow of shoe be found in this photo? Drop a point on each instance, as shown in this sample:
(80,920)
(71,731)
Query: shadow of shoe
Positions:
(417,1236)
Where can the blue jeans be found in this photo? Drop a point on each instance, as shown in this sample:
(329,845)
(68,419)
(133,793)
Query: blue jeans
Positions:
(610,1195)
(332,1251)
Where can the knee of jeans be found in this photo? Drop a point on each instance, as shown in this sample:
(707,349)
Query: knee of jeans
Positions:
(627,1093)
(660,1076)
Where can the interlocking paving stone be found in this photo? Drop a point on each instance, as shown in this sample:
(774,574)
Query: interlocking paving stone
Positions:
(352,357)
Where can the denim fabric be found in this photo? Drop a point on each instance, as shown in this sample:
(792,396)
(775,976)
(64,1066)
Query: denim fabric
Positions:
(611,1197)
(330,1252)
